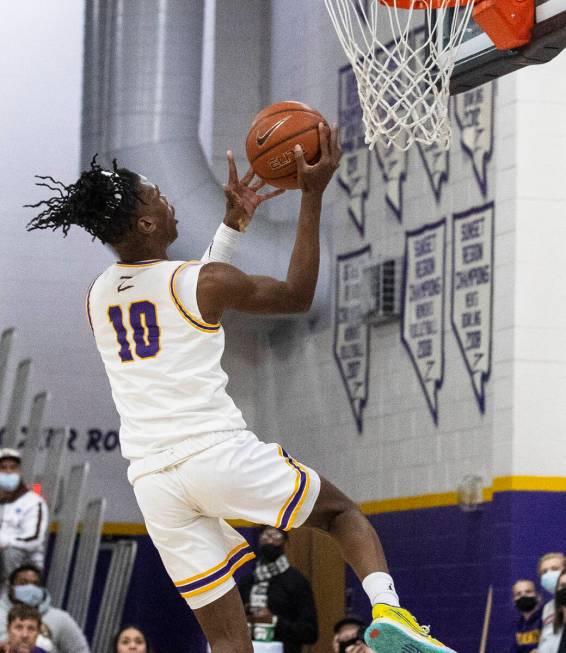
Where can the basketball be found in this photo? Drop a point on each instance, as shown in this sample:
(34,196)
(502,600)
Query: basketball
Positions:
(272,138)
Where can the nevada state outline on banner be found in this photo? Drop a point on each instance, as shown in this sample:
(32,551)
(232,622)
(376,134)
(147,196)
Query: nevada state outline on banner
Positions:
(351,332)
(435,158)
(472,292)
(475,117)
(393,164)
(353,173)
(422,318)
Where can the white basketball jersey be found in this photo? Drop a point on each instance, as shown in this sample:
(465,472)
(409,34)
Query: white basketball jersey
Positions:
(161,357)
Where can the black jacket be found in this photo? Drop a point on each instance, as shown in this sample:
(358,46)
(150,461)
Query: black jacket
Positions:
(290,598)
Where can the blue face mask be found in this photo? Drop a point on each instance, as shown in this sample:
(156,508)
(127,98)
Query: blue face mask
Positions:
(9,482)
(549,580)
(28,594)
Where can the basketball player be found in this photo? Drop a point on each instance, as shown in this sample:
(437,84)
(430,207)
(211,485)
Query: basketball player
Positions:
(193,463)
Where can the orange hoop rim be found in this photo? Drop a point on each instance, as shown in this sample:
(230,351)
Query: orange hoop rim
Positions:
(426,4)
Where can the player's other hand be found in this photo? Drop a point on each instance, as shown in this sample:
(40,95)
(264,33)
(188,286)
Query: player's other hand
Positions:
(242,196)
(315,178)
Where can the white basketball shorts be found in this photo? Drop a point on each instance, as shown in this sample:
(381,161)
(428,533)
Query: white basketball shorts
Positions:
(185,507)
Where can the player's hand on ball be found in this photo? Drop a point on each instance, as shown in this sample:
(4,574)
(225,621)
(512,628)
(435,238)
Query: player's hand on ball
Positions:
(314,178)
(242,198)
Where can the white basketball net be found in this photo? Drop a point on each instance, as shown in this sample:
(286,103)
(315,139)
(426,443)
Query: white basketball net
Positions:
(403,60)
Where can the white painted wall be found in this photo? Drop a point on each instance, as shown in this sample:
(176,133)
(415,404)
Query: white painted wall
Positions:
(539,446)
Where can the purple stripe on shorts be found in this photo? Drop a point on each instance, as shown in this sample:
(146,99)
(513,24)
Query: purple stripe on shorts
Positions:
(298,496)
(206,580)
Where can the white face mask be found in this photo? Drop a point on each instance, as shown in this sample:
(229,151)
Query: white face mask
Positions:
(29,594)
(549,579)
(9,481)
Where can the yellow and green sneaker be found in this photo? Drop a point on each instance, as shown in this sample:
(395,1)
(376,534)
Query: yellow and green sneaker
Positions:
(394,630)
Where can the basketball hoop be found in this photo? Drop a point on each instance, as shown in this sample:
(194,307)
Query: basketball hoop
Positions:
(402,54)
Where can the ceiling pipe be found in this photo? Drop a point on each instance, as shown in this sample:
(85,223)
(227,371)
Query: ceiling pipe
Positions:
(141,105)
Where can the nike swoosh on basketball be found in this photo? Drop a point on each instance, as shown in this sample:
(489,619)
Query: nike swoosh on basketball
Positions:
(262,138)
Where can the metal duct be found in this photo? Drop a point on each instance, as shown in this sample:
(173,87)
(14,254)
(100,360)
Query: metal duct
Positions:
(141,104)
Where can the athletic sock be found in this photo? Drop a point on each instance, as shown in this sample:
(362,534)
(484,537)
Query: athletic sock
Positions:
(380,588)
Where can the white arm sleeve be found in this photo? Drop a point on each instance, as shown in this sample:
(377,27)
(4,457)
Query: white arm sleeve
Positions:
(223,245)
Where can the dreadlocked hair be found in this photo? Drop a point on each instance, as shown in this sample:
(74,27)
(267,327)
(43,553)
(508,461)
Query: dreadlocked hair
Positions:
(100,201)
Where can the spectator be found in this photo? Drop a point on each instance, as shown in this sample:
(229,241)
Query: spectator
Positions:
(554,639)
(24,623)
(24,517)
(349,636)
(529,625)
(60,632)
(130,639)
(279,594)
(549,567)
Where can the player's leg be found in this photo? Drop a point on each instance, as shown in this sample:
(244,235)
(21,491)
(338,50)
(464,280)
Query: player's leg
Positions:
(393,628)
(245,478)
(224,624)
(337,515)
(200,554)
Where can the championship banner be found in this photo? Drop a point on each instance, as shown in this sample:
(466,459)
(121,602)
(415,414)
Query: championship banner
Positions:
(435,161)
(351,334)
(422,319)
(353,173)
(435,158)
(393,164)
(474,115)
(472,292)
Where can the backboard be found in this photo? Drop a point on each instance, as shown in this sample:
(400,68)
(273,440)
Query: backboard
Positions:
(478,61)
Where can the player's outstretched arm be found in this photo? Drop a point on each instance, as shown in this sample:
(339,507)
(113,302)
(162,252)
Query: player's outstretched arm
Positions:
(242,200)
(222,287)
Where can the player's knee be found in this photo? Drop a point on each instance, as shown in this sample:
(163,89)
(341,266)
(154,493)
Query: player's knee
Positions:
(327,512)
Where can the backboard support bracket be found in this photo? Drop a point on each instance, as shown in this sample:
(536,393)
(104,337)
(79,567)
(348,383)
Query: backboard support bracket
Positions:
(548,41)
(509,24)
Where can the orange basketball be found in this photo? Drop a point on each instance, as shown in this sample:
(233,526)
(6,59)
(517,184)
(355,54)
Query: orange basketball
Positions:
(272,138)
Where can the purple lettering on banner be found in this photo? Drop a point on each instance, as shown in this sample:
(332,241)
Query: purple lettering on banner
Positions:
(472,292)
(353,173)
(475,117)
(351,333)
(422,318)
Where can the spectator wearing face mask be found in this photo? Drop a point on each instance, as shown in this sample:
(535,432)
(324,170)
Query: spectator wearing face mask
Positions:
(279,594)
(23,517)
(529,624)
(60,632)
(553,640)
(549,567)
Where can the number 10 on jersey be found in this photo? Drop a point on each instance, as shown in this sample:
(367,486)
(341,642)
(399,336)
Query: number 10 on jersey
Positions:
(143,321)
